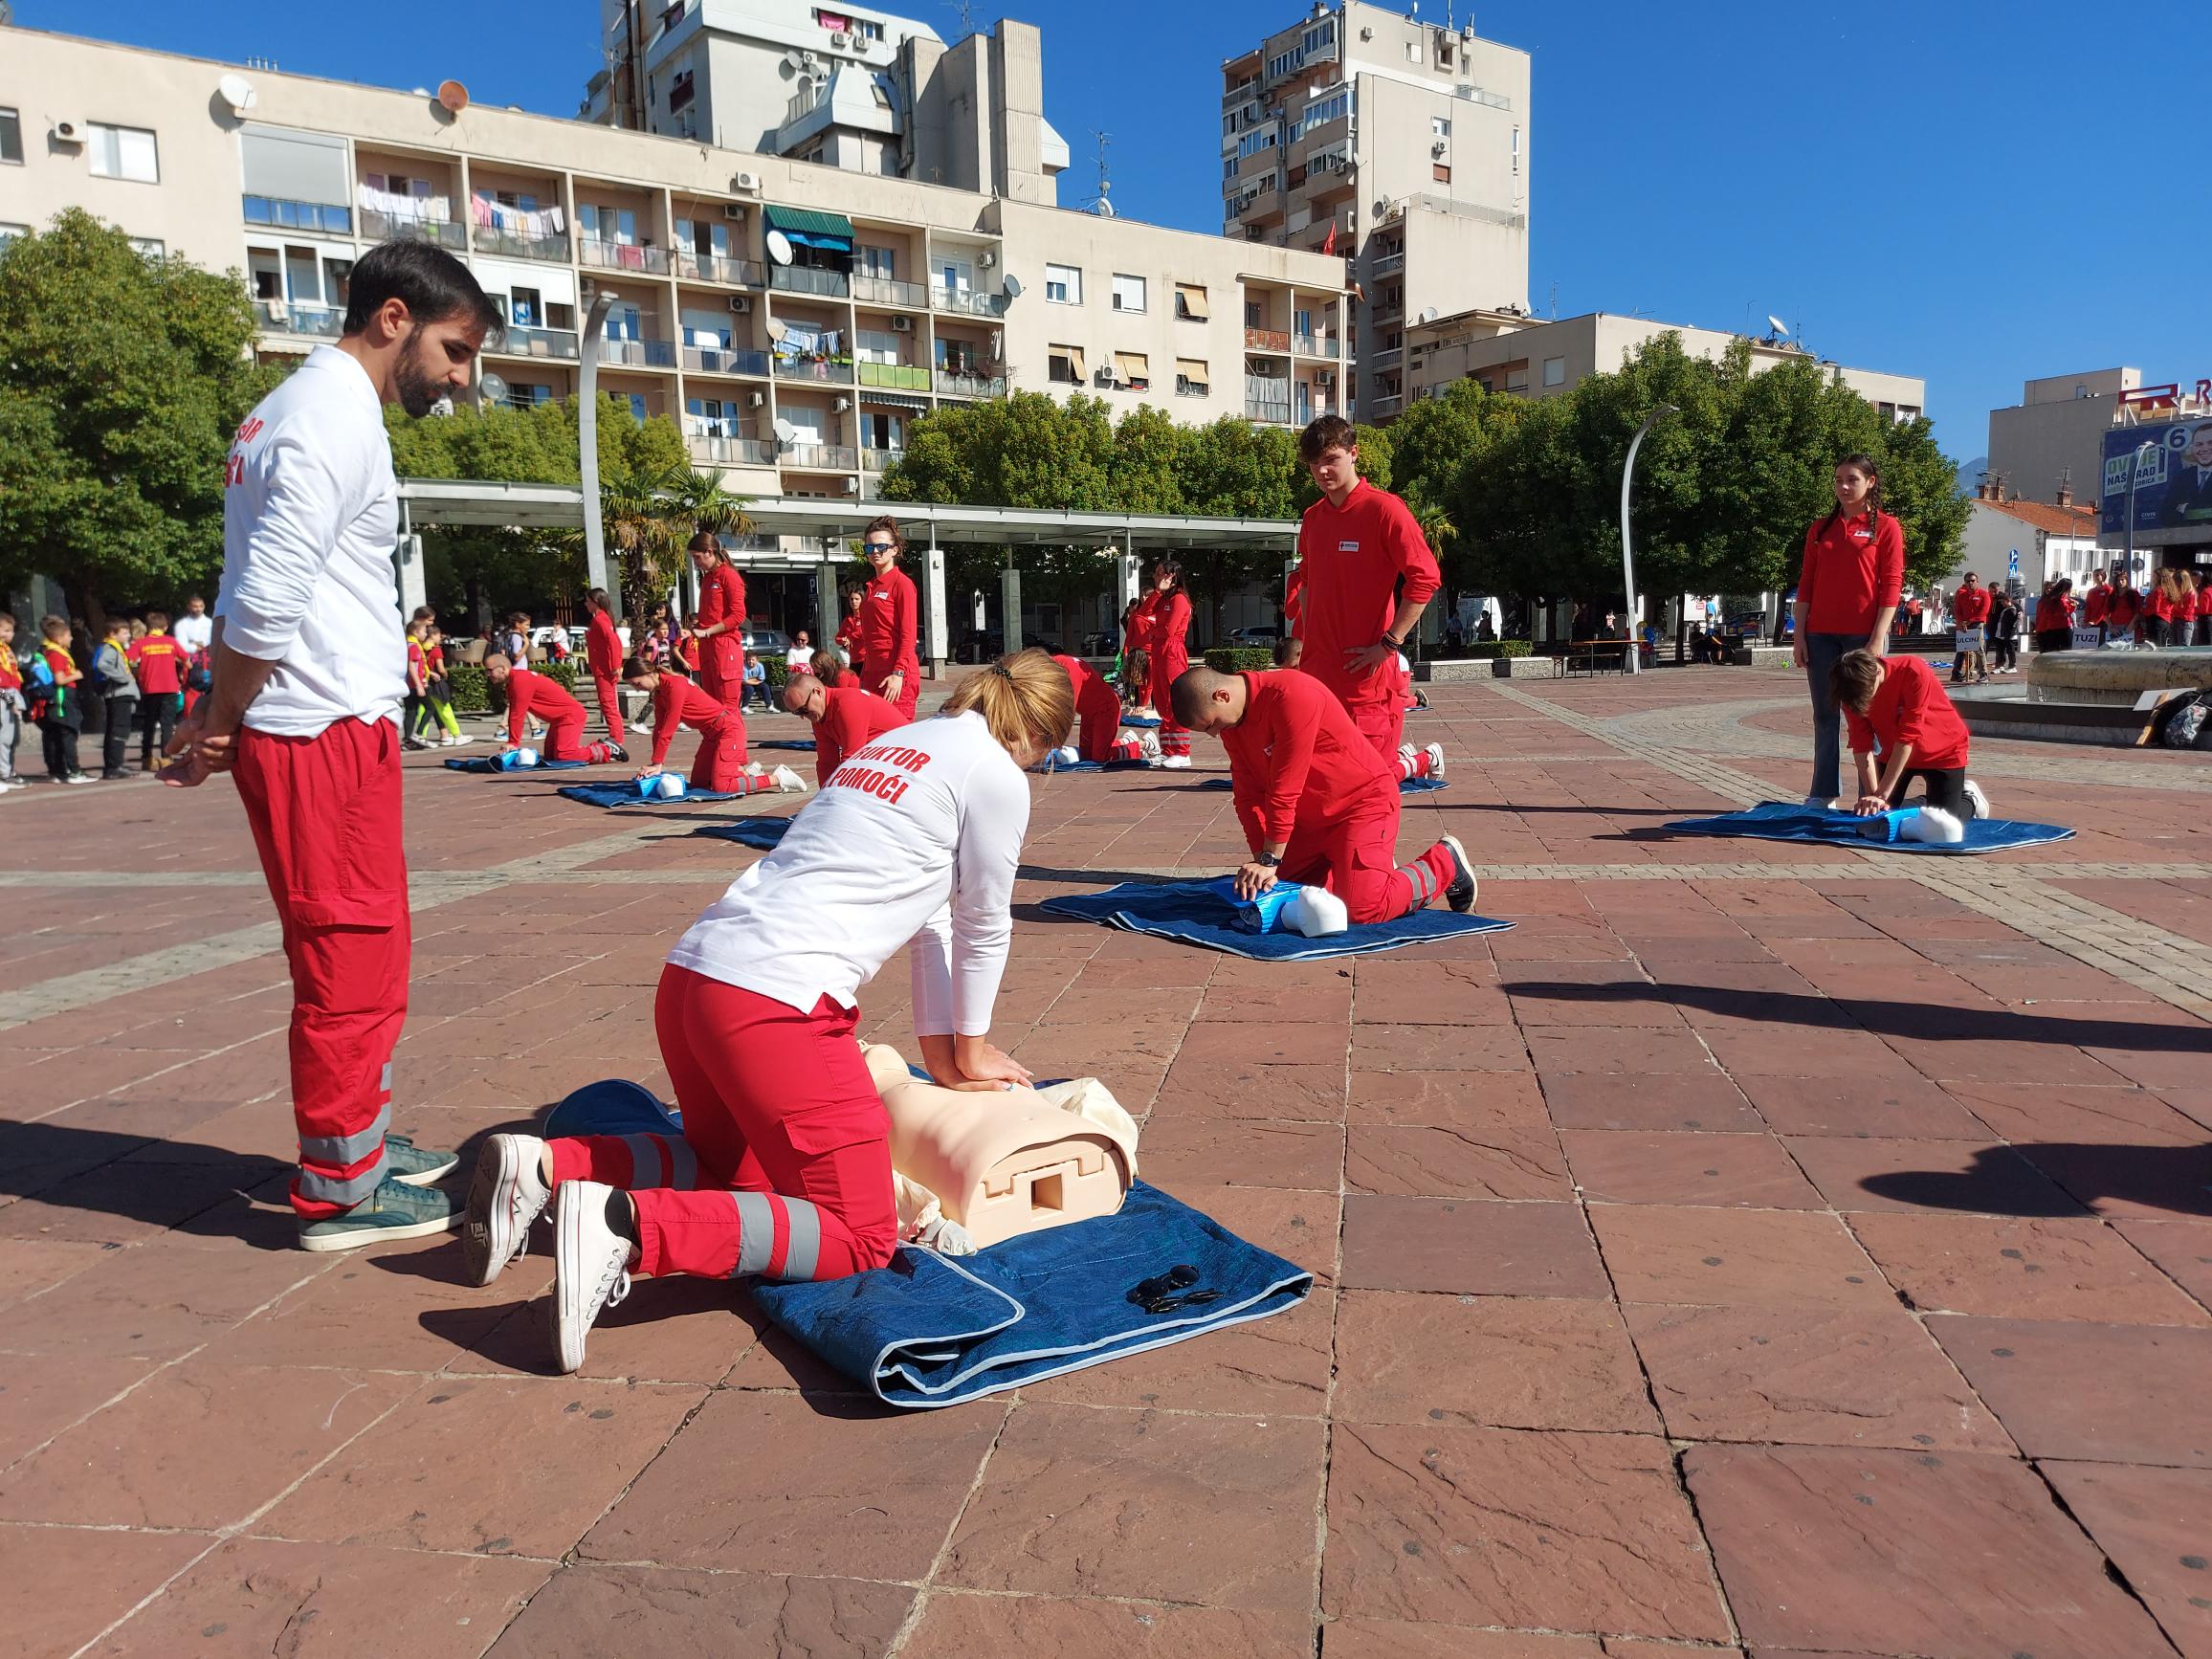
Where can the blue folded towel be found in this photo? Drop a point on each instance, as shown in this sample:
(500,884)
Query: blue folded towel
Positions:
(1406,785)
(1203,913)
(804,743)
(1051,765)
(630,795)
(491,763)
(1140,722)
(1787,821)
(763,833)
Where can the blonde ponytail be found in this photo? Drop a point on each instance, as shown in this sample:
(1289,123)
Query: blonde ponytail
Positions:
(1023,699)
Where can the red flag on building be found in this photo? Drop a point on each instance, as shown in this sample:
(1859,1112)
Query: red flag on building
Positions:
(1329,242)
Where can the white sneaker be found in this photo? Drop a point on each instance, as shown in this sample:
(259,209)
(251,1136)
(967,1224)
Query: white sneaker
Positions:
(1978,803)
(506,1196)
(1436,761)
(1405,755)
(1820,803)
(1148,741)
(1176,763)
(787,782)
(591,1267)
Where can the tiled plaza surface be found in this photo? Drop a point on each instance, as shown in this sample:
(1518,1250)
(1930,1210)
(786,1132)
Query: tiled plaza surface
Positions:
(1761,1249)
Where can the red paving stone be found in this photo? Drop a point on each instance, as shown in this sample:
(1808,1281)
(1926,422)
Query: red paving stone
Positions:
(1714,1263)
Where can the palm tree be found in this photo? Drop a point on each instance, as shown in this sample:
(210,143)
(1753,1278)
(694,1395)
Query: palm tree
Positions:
(700,500)
(648,520)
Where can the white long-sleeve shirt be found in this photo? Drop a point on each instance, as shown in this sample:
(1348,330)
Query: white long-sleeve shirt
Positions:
(310,519)
(914,837)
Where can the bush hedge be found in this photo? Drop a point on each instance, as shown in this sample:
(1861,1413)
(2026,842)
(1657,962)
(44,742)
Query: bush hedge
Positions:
(1489,649)
(1239,658)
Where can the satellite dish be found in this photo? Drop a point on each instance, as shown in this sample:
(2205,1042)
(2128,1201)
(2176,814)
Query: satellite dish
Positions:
(779,246)
(786,434)
(1429,314)
(778,328)
(453,97)
(236,91)
(493,389)
(1776,323)
(1013,287)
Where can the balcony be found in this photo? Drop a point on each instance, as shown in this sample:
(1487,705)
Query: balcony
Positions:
(318,218)
(307,321)
(638,353)
(1273,339)
(719,360)
(1384,264)
(732,451)
(894,376)
(516,341)
(968,301)
(875,460)
(1313,346)
(1266,399)
(823,457)
(809,280)
(448,233)
(507,245)
(828,371)
(884,291)
(624,256)
(721,268)
(952,383)
(1384,405)
(1387,358)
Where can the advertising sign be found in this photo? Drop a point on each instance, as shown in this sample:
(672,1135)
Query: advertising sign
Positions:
(2172,473)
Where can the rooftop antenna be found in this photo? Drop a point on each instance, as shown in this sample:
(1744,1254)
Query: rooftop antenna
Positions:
(967,16)
(1103,204)
(1554,303)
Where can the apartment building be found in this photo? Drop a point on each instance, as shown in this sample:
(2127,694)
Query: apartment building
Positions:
(1399,144)
(2053,440)
(1512,351)
(792,315)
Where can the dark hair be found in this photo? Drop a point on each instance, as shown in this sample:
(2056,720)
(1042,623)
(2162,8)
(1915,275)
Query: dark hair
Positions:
(1189,696)
(635,666)
(885,522)
(152,614)
(1174,572)
(706,542)
(1323,433)
(1136,666)
(596,596)
(1872,468)
(825,665)
(433,285)
(1851,682)
(1287,649)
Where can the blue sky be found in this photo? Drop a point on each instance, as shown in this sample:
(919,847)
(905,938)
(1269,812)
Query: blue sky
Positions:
(1977,192)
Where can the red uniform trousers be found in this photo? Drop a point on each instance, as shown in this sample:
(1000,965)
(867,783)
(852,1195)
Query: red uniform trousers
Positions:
(1357,861)
(785,1166)
(909,687)
(610,691)
(1382,720)
(1168,661)
(325,815)
(565,740)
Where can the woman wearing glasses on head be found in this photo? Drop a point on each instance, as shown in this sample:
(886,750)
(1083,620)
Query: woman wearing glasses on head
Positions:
(890,661)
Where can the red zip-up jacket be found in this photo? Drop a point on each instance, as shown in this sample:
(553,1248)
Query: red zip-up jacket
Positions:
(1355,563)
(888,644)
(1298,763)
(533,694)
(1970,607)
(603,647)
(1852,568)
(1910,706)
(850,721)
(677,701)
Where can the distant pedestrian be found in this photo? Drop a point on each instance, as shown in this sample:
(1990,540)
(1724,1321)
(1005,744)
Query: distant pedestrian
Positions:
(1846,598)
(195,629)
(160,661)
(118,695)
(11,706)
(56,703)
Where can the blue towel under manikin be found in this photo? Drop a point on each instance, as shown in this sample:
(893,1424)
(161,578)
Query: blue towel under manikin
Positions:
(1787,821)
(805,744)
(1206,914)
(629,795)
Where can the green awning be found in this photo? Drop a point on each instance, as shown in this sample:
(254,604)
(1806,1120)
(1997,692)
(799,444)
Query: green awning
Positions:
(804,222)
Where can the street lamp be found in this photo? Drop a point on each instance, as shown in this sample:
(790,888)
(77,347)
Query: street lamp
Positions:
(595,571)
(2135,465)
(1628,557)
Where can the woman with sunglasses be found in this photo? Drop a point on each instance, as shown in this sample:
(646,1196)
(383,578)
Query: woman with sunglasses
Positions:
(888,652)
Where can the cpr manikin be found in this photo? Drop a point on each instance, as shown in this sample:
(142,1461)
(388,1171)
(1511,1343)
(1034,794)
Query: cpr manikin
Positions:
(999,1163)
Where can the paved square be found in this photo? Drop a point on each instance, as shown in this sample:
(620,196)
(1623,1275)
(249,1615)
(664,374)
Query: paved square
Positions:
(1762,1249)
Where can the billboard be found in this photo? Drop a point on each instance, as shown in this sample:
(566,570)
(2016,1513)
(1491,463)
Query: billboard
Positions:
(2172,463)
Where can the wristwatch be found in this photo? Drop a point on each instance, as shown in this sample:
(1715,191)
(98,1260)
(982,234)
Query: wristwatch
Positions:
(1393,644)
(1266,860)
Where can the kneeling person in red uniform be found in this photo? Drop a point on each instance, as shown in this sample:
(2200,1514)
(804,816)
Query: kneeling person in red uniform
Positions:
(533,694)
(1317,805)
(1098,714)
(846,721)
(1899,702)
(721,765)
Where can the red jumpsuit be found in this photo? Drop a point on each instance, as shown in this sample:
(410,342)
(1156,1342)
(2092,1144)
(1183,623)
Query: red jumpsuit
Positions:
(1097,706)
(1306,781)
(1167,624)
(888,641)
(722,660)
(533,694)
(850,721)
(720,764)
(1355,561)
(603,656)
(849,641)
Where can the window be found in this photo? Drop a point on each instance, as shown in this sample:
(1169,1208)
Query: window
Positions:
(10,232)
(1131,371)
(880,262)
(1516,152)
(1260,138)
(10,136)
(1190,303)
(1441,173)
(1332,106)
(877,345)
(1413,51)
(1064,284)
(1066,364)
(525,306)
(123,152)
(1128,293)
(1251,314)
(152,247)
(1192,379)
(1555,371)
(1516,379)
(1439,127)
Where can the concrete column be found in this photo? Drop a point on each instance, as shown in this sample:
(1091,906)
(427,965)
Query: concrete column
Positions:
(1128,581)
(408,554)
(826,607)
(933,630)
(1010,606)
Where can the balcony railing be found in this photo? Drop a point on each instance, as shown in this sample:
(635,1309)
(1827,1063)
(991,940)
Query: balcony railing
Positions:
(721,268)
(732,451)
(719,360)
(1312,345)
(1384,405)
(968,301)
(829,370)
(310,321)
(638,353)
(955,384)
(875,460)
(448,233)
(1387,358)
(322,218)
(899,376)
(823,457)
(517,340)
(1385,263)
(509,246)
(1266,399)
(809,280)
(1274,340)
(624,256)
(885,291)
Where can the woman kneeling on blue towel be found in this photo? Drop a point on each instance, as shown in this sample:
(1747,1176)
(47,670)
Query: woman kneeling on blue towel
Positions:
(784,1169)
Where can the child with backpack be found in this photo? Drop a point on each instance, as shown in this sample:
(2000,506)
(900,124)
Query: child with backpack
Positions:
(118,696)
(55,702)
(10,702)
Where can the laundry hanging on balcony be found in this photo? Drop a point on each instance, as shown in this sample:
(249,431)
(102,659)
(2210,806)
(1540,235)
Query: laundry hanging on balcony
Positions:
(804,340)
(532,224)
(408,208)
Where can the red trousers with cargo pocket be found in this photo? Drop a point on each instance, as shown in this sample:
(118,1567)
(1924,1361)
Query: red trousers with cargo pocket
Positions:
(325,815)
(1357,861)
(784,1169)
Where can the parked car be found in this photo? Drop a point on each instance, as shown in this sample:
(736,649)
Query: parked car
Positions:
(978,645)
(1263,637)
(1101,644)
(766,642)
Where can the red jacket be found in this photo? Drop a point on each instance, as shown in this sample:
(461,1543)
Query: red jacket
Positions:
(2053,613)
(1970,607)
(850,721)
(1098,708)
(1910,706)
(2099,606)
(2184,606)
(1852,568)
(2127,605)
(533,694)
(888,645)
(722,601)
(1165,620)
(603,647)
(160,661)
(1355,563)
(1298,765)
(677,701)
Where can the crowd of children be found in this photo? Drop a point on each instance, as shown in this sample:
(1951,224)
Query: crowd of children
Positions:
(130,682)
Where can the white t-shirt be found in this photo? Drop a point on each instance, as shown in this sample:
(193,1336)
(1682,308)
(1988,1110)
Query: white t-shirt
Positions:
(799,660)
(194,632)
(916,837)
(310,519)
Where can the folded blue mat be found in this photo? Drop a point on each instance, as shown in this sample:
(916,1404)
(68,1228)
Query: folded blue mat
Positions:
(1788,821)
(929,1331)
(491,763)
(763,833)
(1207,915)
(1092,766)
(803,743)
(1406,785)
(628,795)
(1141,723)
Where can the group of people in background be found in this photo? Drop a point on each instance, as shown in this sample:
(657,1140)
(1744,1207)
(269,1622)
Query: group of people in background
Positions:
(2169,610)
(131,679)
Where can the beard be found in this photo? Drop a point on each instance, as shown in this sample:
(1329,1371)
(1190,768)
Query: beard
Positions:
(419,391)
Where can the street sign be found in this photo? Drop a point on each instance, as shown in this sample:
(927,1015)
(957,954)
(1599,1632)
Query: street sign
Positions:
(2012,566)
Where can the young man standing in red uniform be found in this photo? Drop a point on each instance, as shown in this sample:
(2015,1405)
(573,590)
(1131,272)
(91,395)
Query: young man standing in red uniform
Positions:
(1317,805)
(603,657)
(1365,576)
(890,652)
(160,663)
(845,722)
(717,627)
(1898,703)
(309,670)
(534,694)
(1970,613)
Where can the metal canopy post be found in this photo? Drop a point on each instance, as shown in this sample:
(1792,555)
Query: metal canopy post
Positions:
(595,571)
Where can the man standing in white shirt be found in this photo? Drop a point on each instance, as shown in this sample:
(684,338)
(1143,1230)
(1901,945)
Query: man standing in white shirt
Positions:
(195,629)
(309,668)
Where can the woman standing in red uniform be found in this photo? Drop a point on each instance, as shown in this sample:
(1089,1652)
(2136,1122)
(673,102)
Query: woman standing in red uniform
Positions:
(1854,573)
(888,612)
(1166,623)
(603,656)
(718,629)
(2055,616)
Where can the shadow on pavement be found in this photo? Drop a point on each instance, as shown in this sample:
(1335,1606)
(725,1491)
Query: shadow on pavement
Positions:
(2171,1179)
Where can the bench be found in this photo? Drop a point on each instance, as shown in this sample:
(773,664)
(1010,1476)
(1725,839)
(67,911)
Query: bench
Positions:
(1599,656)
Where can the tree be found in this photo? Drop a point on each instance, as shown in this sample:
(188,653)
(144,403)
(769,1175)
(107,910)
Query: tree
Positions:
(122,380)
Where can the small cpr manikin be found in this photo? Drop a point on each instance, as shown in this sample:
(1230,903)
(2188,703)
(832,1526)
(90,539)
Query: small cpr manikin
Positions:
(996,1164)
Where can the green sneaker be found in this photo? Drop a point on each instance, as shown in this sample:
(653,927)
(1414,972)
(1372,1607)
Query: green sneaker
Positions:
(391,1212)
(413,1165)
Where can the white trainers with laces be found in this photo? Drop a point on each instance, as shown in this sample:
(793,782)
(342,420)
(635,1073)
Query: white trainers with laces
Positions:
(1436,760)
(787,782)
(591,1267)
(506,1196)
(1978,803)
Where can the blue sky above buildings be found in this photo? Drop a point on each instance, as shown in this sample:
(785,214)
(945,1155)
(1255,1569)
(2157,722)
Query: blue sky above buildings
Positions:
(1973,192)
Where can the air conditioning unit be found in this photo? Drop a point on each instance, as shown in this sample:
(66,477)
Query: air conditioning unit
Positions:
(985,260)
(1437,149)
(841,40)
(1325,377)
(851,485)
(735,209)
(747,181)
(902,325)
(741,304)
(760,398)
(841,404)
(66,132)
